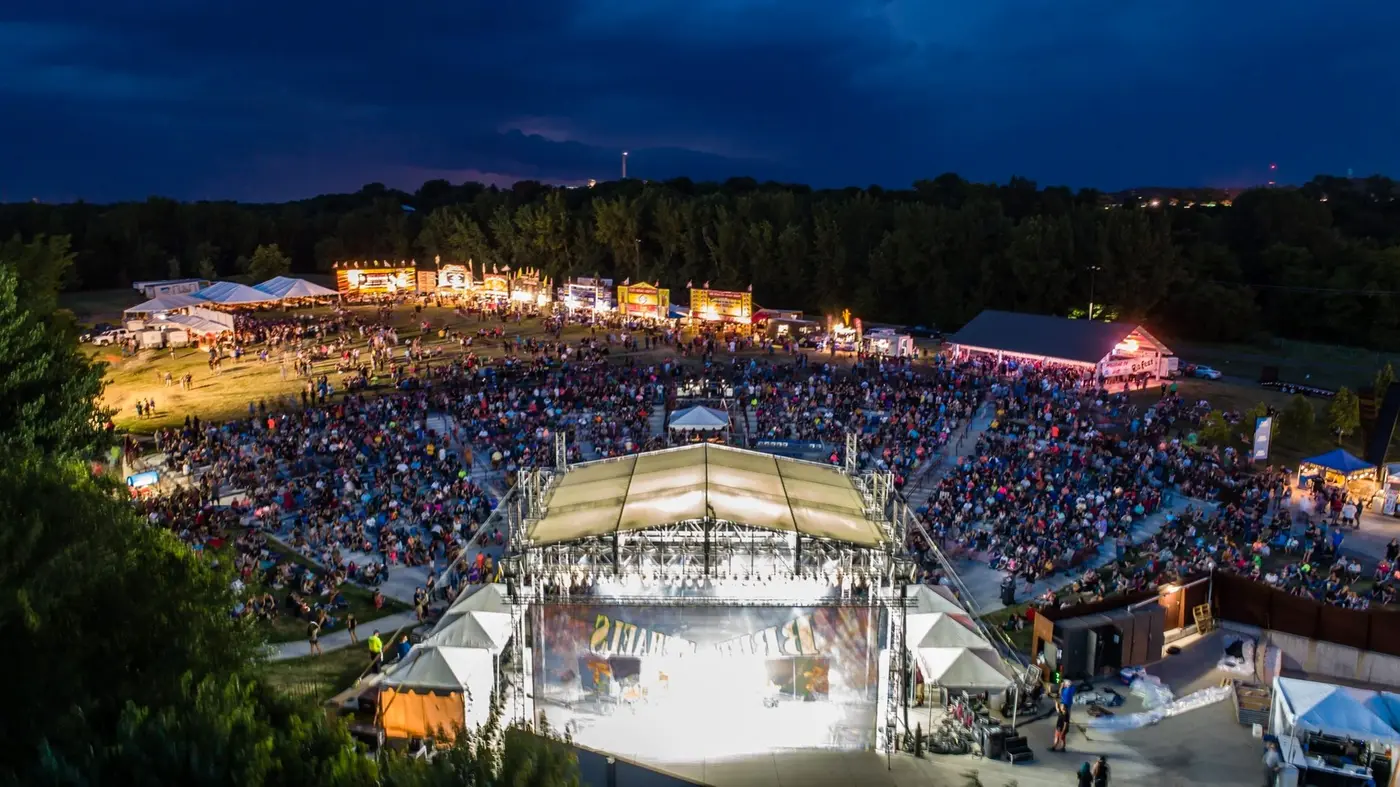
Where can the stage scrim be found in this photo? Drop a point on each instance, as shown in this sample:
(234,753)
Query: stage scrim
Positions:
(681,682)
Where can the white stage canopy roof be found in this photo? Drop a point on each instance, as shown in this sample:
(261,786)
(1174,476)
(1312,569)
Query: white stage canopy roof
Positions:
(930,599)
(231,293)
(690,483)
(191,322)
(699,417)
(286,287)
(165,303)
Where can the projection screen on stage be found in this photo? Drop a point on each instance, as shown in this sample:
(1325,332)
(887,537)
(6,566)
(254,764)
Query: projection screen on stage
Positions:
(688,682)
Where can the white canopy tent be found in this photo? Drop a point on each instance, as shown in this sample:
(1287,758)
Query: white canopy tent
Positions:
(699,481)
(699,418)
(283,287)
(480,619)
(231,293)
(165,303)
(973,669)
(943,630)
(1309,706)
(930,599)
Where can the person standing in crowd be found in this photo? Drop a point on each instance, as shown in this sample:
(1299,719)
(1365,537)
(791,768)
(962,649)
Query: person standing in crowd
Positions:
(313,636)
(1101,771)
(376,650)
(350,625)
(1086,775)
(1273,764)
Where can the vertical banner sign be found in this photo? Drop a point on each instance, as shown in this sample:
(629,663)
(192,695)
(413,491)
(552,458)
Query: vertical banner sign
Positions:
(1263,433)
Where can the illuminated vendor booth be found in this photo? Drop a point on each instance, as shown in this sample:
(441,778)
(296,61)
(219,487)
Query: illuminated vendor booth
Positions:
(1334,736)
(1339,468)
(721,306)
(1119,352)
(375,278)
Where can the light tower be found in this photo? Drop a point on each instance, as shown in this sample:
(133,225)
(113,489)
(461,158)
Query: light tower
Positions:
(624,165)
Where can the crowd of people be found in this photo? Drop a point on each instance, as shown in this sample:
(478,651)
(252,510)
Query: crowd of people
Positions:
(363,484)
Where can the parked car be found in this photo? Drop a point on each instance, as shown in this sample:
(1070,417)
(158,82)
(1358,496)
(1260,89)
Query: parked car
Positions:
(1205,372)
(111,337)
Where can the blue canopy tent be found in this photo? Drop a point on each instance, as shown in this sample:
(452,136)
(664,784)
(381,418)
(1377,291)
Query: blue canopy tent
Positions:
(1340,461)
(1337,467)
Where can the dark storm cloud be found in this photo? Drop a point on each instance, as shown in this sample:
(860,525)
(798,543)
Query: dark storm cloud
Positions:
(271,100)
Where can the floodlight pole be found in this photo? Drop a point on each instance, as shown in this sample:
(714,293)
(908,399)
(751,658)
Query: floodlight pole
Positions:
(561,452)
(851,448)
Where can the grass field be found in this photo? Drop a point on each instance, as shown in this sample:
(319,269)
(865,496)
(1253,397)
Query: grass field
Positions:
(318,677)
(1324,365)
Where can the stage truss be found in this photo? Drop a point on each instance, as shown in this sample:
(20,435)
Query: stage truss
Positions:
(709,561)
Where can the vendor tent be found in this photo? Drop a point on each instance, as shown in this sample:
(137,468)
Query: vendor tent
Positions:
(975,669)
(165,303)
(436,691)
(1340,461)
(699,418)
(1310,706)
(230,293)
(283,287)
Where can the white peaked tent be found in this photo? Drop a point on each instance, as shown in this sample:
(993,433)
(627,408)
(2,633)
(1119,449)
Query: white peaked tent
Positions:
(480,619)
(165,303)
(231,293)
(973,669)
(286,287)
(930,599)
(943,630)
(699,418)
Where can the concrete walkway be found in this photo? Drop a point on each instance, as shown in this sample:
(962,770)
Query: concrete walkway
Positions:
(341,639)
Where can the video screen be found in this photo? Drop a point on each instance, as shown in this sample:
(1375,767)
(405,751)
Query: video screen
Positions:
(684,683)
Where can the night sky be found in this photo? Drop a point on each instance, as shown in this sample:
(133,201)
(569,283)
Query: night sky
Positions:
(259,100)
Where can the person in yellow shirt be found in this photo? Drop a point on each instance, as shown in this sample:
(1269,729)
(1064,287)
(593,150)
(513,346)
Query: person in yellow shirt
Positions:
(376,650)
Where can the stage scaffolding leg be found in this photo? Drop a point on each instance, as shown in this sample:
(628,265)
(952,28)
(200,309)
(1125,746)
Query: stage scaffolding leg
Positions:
(895,689)
(517,709)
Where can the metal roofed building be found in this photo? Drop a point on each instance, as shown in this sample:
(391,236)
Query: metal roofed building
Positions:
(1115,349)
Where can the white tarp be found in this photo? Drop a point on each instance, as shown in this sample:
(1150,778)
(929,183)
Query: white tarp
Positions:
(699,417)
(963,668)
(230,293)
(165,303)
(1336,710)
(1132,721)
(287,287)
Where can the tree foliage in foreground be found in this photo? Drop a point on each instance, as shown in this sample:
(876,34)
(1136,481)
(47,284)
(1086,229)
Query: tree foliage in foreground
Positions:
(48,388)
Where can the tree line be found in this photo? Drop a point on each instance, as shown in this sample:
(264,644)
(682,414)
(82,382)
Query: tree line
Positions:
(127,666)
(1320,262)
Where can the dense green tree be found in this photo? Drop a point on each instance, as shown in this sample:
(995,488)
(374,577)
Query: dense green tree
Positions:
(1343,413)
(48,388)
(1299,418)
(268,262)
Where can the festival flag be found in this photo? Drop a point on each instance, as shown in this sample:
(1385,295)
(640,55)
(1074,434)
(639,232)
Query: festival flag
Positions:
(690,285)
(706,287)
(750,288)
(627,281)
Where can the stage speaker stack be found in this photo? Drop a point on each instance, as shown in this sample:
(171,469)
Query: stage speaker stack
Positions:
(1384,428)
(993,740)
(1016,750)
